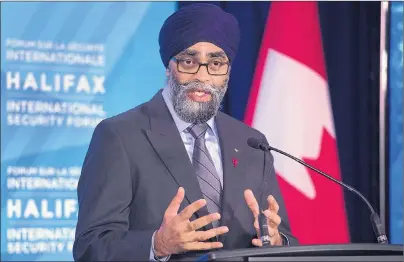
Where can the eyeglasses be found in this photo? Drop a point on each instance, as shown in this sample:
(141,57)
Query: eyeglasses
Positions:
(189,66)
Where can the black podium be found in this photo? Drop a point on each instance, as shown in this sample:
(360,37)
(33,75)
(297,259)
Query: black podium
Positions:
(346,252)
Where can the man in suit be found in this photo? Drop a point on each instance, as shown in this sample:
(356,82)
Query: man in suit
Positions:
(174,177)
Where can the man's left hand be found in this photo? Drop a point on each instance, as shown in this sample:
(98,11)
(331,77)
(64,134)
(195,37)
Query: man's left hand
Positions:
(273,219)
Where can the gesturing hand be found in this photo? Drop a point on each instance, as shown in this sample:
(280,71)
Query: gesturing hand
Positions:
(273,219)
(178,234)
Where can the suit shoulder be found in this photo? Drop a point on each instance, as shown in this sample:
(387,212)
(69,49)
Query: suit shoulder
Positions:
(239,125)
(133,118)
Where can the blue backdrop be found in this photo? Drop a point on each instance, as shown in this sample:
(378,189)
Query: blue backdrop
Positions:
(396,122)
(64,67)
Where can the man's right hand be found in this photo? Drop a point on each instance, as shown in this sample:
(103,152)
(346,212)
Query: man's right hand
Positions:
(177,234)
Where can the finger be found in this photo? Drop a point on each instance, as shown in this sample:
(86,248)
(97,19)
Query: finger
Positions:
(274,220)
(203,221)
(205,235)
(272,232)
(275,237)
(202,245)
(191,209)
(257,227)
(251,202)
(172,209)
(272,204)
(257,242)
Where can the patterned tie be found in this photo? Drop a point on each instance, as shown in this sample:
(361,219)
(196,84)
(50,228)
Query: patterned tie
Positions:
(205,170)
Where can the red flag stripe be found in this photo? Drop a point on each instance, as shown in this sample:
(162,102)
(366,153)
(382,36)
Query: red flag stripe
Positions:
(284,33)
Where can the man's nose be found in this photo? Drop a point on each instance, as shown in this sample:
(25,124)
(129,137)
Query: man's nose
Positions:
(203,74)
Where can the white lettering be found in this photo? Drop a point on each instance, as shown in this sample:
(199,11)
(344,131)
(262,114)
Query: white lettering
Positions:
(34,248)
(59,208)
(68,83)
(40,233)
(14,208)
(31,183)
(44,86)
(99,84)
(34,120)
(83,85)
(31,209)
(13,80)
(30,82)
(57,83)
(45,211)
(70,207)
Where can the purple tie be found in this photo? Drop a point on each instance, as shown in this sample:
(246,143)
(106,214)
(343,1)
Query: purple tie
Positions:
(205,169)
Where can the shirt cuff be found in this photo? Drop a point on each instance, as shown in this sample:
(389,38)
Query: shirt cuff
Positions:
(153,256)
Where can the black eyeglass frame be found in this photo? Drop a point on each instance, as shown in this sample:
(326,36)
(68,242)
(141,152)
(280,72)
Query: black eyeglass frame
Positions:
(177,60)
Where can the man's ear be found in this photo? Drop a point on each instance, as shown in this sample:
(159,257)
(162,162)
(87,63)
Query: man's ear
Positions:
(168,69)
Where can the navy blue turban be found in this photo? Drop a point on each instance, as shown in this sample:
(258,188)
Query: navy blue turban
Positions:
(198,23)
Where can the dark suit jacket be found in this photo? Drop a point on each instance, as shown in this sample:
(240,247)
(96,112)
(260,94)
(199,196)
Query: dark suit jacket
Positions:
(135,163)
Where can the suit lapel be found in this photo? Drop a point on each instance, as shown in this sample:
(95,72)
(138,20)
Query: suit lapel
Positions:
(233,167)
(167,142)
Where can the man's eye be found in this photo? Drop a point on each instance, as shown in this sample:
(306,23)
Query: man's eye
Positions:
(187,62)
(216,63)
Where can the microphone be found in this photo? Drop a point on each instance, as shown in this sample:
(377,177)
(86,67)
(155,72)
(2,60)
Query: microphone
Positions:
(377,225)
(263,227)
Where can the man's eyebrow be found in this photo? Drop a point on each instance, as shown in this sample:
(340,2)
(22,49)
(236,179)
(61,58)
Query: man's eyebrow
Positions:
(217,54)
(190,52)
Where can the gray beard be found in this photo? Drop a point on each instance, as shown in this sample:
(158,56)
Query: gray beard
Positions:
(191,111)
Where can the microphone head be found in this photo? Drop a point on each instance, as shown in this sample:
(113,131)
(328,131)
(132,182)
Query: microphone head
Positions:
(255,142)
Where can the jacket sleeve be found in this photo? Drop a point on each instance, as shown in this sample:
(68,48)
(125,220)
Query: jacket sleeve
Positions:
(104,196)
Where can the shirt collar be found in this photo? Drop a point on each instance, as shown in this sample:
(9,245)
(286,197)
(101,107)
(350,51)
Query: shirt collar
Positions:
(181,124)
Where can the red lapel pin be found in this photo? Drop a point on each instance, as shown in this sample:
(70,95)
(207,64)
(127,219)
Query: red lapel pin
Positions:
(235,162)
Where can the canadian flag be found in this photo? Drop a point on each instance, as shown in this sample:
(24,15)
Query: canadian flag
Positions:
(290,104)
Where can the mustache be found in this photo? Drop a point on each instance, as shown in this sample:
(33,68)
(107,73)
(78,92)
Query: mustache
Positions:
(198,86)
